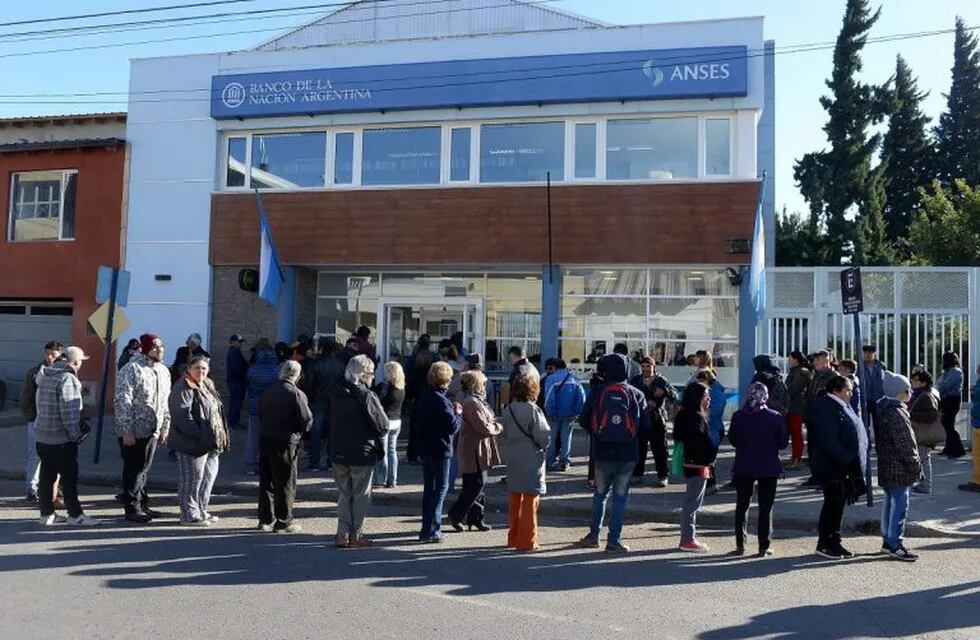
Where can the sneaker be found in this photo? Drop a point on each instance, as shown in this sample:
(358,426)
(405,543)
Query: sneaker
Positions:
(693,546)
(195,523)
(902,554)
(31,498)
(341,541)
(885,550)
(564,466)
(292,527)
(83,521)
(660,483)
(212,518)
(765,552)
(616,547)
(153,513)
(588,542)
(264,527)
(46,521)
(434,540)
(390,485)
(921,491)
(362,543)
(739,551)
(830,553)
(847,555)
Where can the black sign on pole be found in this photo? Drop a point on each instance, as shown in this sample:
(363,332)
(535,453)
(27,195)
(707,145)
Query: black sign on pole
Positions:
(852,298)
(106,363)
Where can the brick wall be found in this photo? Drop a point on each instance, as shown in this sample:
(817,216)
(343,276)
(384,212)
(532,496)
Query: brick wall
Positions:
(592,224)
(235,311)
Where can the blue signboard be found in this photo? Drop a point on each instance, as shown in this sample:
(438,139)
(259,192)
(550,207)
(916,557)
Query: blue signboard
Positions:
(583,77)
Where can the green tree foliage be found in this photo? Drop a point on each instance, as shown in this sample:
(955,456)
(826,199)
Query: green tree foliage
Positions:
(946,231)
(834,182)
(873,247)
(797,240)
(907,155)
(958,131)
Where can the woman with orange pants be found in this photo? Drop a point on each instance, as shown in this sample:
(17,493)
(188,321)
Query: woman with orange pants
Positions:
(526,432)
(798,383)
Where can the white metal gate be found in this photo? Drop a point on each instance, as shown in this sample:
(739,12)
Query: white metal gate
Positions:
(911,314)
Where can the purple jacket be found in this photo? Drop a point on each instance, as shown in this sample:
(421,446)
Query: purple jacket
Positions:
(757,437)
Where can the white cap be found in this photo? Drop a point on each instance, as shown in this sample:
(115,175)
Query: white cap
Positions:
(75,354)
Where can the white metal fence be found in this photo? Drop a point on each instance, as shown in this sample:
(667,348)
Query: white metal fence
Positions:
(911,314)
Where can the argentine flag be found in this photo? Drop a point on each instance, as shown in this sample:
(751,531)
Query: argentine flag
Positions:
(757,265)
(270,272)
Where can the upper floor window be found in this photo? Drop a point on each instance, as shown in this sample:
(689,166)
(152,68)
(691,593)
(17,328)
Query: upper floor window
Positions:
(524,152)
(288,160)
(42,205)
(401,156)
(654,149)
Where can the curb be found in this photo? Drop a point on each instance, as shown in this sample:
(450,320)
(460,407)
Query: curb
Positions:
(862,526)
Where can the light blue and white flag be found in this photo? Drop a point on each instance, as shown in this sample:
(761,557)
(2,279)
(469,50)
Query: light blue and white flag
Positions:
(757,265)
(270,271)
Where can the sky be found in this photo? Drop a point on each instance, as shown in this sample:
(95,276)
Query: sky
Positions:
(799,76)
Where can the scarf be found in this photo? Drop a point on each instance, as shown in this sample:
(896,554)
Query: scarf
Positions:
(757,397)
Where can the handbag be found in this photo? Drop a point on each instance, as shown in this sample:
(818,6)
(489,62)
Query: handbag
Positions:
(677,459)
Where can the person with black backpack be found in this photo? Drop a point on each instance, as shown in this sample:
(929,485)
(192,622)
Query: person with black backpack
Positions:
(614,414)
(768,373)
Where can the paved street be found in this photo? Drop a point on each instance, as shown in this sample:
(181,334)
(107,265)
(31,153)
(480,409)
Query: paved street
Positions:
(164,581)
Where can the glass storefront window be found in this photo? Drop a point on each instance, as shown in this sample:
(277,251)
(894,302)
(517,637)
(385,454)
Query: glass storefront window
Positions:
(340,317)
(653,149)
(348,284)
(514,286)
(288,160)
(604,317)
(690,282)
(513,318)
(433,285)
(585,150)
(717,142)
(401,156)
(343,158)
(459,155)
(705,319)
(522,152)
(237,163)
(616,282)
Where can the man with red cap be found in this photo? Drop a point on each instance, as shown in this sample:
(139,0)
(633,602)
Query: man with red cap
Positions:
(142,419)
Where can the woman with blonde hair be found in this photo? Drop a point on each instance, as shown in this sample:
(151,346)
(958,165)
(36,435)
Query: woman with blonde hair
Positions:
(476,452)
(526,431)
(391,393)
(439,418)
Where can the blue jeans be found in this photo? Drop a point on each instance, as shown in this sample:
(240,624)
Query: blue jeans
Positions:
(435,485)
(32,468)
(894,510)
(236,397)
(561,429)
(453,474)
(386,469)
(615,477)
(319,435)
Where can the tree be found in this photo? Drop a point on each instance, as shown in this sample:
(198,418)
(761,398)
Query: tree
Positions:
(958,131)
(873,247)
(946,231)
(797,241)
(907,155)
(834,181)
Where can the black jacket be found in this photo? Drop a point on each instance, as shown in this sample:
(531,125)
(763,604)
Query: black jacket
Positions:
(438,422)
(391,400)
(284,413)
(615,368)
(357,423)
(691,428)
(326,376)
(832,440)
(658,407)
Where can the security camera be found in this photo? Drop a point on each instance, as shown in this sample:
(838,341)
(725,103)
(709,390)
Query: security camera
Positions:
(734,276)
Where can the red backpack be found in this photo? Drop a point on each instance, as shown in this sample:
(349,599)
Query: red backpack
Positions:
(615,414)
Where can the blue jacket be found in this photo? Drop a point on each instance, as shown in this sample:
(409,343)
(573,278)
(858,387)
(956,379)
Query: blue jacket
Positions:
(615,368)
(832,441)
(716,414)
(874,377)
(950,383)
(236,367)
(975,406)
(438,423)
(264,372)
(564,396)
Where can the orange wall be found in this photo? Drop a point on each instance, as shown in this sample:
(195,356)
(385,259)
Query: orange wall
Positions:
(68,269)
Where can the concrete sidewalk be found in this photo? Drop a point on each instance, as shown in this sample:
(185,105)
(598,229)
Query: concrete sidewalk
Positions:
(948,512)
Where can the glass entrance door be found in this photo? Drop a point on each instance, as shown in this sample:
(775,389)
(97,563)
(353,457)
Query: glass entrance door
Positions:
(405,320)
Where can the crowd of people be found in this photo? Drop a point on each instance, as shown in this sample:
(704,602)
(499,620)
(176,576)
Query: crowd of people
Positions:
(322,399)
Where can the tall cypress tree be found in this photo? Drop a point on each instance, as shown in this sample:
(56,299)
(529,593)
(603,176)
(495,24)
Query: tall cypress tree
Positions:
(907,156)
(835,181)
(958,132)
(873,247)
